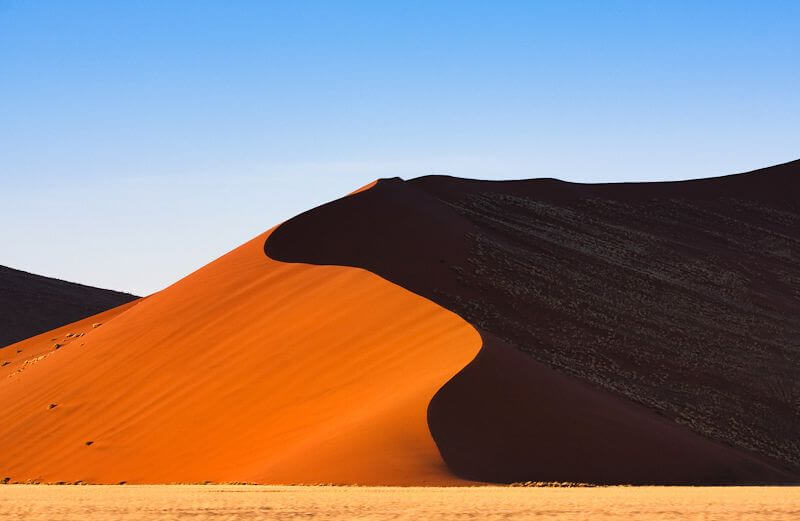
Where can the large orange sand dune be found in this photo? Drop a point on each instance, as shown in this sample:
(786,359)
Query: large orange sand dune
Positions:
(622,333)
(247,370)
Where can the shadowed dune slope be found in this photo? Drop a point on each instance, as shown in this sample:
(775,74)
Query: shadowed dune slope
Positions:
(247,370)
(632,333)
(31,304)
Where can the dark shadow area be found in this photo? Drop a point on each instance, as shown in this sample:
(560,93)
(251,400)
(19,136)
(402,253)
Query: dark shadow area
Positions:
(633,333)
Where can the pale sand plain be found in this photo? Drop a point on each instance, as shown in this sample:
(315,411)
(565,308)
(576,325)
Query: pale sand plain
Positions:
(237,502)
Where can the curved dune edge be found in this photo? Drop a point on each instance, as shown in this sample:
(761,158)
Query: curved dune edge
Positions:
(248,370)
(506,417)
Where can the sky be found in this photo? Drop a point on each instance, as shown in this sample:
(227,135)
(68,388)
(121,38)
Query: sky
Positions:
(140,140)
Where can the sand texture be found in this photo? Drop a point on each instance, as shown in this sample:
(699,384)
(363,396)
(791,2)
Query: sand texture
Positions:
(211,502)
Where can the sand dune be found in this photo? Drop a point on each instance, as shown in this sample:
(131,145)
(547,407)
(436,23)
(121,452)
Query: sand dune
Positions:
(634,333)
(247,370)
(658,320)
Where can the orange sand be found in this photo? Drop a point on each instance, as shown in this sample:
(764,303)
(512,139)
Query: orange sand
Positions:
(247,370)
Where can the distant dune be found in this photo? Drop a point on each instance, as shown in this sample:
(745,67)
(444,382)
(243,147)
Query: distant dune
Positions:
(439,330)
(31,304)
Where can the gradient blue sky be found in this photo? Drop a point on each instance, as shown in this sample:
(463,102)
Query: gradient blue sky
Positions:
(140,140)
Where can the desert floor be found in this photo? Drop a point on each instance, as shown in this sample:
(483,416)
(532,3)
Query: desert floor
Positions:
(233,502)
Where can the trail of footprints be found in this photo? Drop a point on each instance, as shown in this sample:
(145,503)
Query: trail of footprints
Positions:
(67,340)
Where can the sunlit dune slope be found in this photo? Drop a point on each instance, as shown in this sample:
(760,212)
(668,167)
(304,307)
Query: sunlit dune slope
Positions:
(247,370)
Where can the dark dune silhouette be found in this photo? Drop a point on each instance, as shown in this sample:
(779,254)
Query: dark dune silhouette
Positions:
(632,333)
(32,304)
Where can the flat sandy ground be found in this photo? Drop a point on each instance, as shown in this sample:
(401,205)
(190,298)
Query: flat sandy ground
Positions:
(215,502)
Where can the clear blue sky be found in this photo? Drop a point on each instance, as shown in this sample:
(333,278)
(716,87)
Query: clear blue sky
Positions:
(140,140)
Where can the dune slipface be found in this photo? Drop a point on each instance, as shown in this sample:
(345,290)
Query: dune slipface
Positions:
(632,333)
(247,370)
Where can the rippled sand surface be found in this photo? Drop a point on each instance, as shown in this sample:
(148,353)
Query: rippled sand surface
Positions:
(201,502)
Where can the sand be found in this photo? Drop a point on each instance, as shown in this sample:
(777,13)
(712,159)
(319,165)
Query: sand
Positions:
(340,355)
(211,502)
(573,373)
(248,370)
